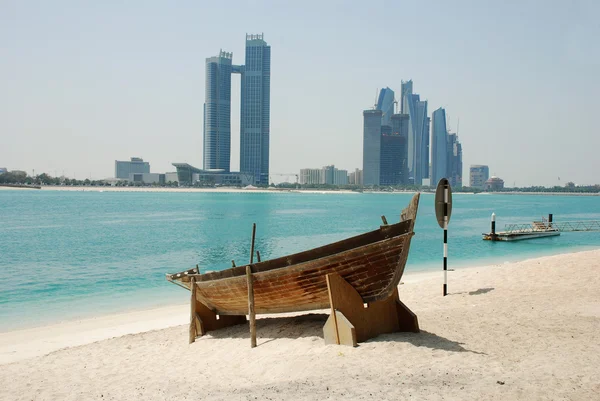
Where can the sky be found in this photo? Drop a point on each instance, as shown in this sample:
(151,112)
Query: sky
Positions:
(85,83)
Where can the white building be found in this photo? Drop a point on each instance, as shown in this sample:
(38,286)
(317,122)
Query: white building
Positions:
(327,175)
(124,168)
(355,177)
(311,176)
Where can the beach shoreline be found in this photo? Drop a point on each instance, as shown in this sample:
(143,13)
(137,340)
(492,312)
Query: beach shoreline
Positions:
(29,342)
(134,321)
(523,330)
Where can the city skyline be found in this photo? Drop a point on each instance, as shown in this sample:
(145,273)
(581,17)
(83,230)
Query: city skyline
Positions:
(76,99)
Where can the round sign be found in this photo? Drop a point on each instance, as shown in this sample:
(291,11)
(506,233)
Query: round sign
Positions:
(439,201)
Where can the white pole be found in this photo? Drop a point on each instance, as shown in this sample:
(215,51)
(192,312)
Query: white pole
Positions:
(445,239)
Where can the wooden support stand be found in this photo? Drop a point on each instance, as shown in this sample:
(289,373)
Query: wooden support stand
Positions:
(351,322)
(203,320)
(251,313)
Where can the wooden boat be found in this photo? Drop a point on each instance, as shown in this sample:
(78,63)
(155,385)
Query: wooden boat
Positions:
(371,263)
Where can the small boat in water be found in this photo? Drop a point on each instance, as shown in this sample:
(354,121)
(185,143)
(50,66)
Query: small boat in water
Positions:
(369,265)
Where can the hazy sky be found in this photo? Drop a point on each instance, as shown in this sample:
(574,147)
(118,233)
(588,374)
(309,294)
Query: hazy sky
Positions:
(83,83)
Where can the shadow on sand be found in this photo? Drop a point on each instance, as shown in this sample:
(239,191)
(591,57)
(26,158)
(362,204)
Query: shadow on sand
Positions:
(271,328)
(311,325)
(481,291)
(427,340)
(476,292)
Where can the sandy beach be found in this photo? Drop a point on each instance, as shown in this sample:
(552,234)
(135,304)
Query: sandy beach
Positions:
(528,331)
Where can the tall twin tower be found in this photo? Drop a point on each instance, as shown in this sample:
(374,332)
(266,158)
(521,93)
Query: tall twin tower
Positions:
(254,112)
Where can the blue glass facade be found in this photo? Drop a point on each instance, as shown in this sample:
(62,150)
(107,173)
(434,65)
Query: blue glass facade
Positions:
(256,110)
(418,135)
(217,112)
(371,146)
(439,156)
(385,103)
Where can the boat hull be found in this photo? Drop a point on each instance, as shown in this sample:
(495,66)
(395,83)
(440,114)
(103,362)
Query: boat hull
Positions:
(372,263)
(374,271)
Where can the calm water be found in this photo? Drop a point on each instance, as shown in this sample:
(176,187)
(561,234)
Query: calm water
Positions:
(66,255)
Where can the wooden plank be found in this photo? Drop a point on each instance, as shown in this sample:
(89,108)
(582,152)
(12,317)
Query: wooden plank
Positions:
(193,302)
(252,246)
(251,306)
(354,323)
(303,287)
(406,318)
(333,316)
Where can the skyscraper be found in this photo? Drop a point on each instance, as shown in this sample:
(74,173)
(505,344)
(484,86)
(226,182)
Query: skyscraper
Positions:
(256,109)
(393,164)
(439,152)
(371,146)
(418,132)
(217,112)
(454,161)
(422,147)
(385,103)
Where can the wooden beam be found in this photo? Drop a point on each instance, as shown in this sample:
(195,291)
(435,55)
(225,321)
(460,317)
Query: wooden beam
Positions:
(252,246)
(193,301)
(251,313)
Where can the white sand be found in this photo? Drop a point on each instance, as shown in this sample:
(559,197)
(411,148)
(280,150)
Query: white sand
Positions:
(527,330)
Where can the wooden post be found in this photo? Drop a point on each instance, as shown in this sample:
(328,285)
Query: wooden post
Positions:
(385,223)
(251,314)
(193,311)
(258,256)
(252,247)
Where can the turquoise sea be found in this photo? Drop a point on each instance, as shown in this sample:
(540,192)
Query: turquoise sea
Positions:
(68,255)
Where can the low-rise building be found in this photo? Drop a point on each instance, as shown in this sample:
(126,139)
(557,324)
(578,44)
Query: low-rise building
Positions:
(135,165)
(190,175)
(311,176)
(147,178)
(327,175)
(494,184)
(478,176)
(355,177)
(340,177)
(171,177)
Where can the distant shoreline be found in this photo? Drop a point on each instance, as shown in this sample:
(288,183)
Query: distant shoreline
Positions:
(263,190)
(20,186)
(183,190)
